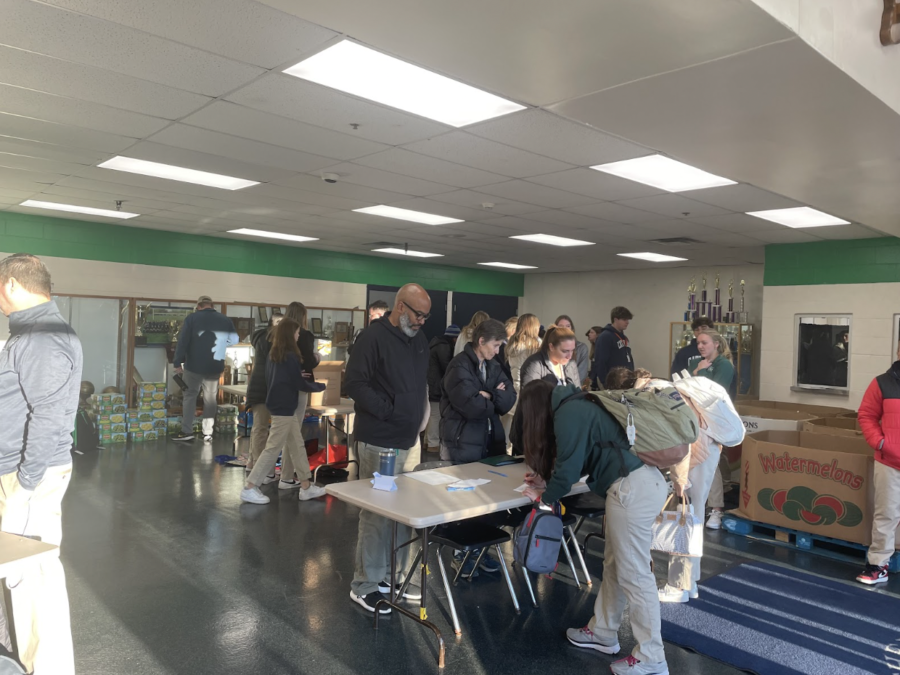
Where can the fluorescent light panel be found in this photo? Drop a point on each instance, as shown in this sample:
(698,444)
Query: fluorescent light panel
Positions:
(406,214)
(272,235)
(552,240)
(799,217)
(652,257)
(412,254)
(364,72)
(663,173)
(169,172)
(511,266)
(71,208)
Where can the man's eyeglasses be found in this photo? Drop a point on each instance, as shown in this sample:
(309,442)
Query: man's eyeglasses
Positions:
(421,316)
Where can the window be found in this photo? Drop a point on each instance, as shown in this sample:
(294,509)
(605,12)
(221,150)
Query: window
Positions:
(823,352)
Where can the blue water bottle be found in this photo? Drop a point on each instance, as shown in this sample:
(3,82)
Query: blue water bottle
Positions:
(386,462)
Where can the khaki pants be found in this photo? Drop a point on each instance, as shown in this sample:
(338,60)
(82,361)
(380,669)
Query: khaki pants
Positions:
(373,545)
(434,426)
(195,383)
(40,602)
(287,457)
(284,436)
(886,517)
(684,571)
(260,432)
(632,504)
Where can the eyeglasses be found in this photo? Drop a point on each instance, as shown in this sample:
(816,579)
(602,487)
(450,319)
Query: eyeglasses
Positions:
(421,316)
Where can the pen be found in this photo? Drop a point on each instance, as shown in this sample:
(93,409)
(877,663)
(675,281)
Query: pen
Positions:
(498,473)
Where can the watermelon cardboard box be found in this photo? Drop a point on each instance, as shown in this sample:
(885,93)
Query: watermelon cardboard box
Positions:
(763,419)
(836,426)
(814,410)
(812,482)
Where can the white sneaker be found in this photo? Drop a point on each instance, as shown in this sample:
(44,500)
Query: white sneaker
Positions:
(311,492)
(289,484)
(269,479)
(715,520)
(694,593)
(253,496)
(632,666)
(207,439)
(585,638)
(671,594)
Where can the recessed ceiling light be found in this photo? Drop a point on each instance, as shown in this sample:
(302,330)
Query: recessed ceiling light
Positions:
(53,206)
(652,257)
(406,214)
(800,216)
(363,72)
(663,173)
(511,266)
(413,254)
(552,240)
(272,235)
(169,172)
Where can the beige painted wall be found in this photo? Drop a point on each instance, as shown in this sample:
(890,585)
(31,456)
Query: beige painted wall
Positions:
(872,348)
(656,297)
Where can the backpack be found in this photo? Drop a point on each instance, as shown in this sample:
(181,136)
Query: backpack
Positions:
(537,541)
(658,422)
(723,423)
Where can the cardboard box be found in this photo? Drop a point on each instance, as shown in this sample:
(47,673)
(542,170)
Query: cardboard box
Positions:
(160,425)
(157,405)
(836,426)
(136,436)
(159,414)
(328,373)
(811,482)
(173,425)
(814,410)
(151,435)
(771,419)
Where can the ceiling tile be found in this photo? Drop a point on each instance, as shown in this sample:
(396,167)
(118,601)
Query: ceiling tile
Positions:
(324,107)
(475,200)
(846,232)
(50,108)
(601,186)
(49,151)
(12,161)
(238,120)
(385,180)
(567,219)
(246,31)
(214,143)
(14,196)
(129,203)
(305,197)
(547,134)
(103,181)
(784,235)
(17,179)
(343,188)
(616,213)
(14,126)
(463,148)
(409,163)
(741,198)
(530,193)
(739,223)
(674,206)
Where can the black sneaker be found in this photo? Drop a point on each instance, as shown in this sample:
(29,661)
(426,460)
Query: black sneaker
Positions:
(368,601)
(873,574)
(412,592)
(181,436)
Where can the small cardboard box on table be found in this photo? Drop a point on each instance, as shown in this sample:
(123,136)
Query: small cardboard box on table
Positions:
(812,482)
(328,373)
(836,426)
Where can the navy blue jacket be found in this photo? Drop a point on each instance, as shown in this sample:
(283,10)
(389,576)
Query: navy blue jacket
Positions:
(611,350)
(204,336)
(286,381)
(686,358)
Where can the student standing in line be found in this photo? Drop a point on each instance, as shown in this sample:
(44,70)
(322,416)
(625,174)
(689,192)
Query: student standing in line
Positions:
(440,354)
(286,380)
(688,356)
(582,352)
(554,361)
(376,310)
(715,363)
(40,378)
(257,389)
(387,380)
(465,336)
(611,348)
(879,419)
(565,440)
(523,344)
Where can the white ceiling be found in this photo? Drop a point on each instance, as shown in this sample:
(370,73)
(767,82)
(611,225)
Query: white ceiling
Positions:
(715,83)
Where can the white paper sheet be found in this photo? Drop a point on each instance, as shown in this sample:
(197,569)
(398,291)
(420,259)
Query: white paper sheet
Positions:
(469,483)
(431,477)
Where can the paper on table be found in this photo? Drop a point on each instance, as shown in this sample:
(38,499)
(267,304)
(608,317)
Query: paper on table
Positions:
(431,477)
(385,483)
(524,486)
(468,483)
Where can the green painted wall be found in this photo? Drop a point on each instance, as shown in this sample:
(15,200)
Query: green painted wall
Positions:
(854,261)
(113,243)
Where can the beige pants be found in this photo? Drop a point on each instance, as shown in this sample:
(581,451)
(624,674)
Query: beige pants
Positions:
(886,516)
(260,432)
(373,544)
(433,433)
(287,458)
(40,602)
(284,436)
(632,504)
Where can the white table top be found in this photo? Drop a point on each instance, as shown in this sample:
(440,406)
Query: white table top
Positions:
(17,552)
(419,505)
(345,407)
(236,389)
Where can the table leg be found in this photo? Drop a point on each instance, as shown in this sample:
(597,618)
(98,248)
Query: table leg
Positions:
(440,559)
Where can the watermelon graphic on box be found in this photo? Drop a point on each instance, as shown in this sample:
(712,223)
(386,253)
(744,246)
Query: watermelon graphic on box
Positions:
(802,503)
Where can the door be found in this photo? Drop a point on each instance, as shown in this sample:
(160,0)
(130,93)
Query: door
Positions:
(436,323)
(499,307)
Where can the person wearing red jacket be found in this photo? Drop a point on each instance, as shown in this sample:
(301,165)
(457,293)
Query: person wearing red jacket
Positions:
(879,419)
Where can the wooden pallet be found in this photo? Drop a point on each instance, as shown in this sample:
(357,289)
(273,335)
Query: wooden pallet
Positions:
(847,551)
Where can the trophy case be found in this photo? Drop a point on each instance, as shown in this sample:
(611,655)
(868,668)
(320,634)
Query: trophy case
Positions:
(740,338)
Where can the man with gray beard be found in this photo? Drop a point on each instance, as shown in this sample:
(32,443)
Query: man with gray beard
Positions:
(386,378)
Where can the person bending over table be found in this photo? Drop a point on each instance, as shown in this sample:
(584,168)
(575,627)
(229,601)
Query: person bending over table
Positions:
(564,440)
(476,393)
(386,378)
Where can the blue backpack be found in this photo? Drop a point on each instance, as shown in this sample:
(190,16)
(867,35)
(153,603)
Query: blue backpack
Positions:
(537,541)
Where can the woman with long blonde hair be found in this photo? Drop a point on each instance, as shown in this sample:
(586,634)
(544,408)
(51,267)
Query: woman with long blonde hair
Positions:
(523,343)
(465,336)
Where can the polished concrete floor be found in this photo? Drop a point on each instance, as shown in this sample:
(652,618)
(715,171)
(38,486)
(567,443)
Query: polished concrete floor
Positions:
(169,573)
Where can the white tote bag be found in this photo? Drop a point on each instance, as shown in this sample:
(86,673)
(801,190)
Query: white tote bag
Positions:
(679,531)
(724,425)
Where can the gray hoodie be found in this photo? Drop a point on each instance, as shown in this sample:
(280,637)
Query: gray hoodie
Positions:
(40,376)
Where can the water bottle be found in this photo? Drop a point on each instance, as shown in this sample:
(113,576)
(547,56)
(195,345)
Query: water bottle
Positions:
(386,462)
